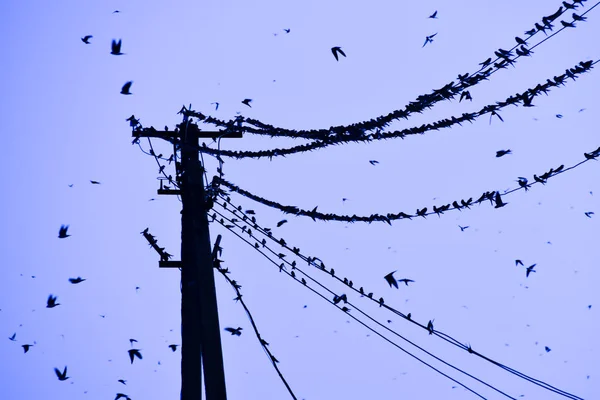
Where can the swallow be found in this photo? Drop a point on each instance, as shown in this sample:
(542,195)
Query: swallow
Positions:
(520,41)
(373,162)
(538,179)
(234,331)
(486,62)
(465,95)
(569,6)
(518,262)
(134,353)
(62,232)
(216,103)
(580,2)
(462,228)
(589,214)
(247,102)
(116,12)
(115,48)
(429,39)
(86,39)
(173,347)
(94,182)
(578,17)
(126,87)
(501,153)
(26,347)
(51,303)
(287,30)
(590,156)
(530,270)
(122,396)
(498,200)
(389,278)
(430,327)
(523,183)
(131,341)
(434,15)
(123,381)
(567,24)
(405,281)
(283,221)
(77,280)
(14,335)
(61,376)
(335,50)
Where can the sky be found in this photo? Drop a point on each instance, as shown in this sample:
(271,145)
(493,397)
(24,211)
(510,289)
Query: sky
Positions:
(63,124)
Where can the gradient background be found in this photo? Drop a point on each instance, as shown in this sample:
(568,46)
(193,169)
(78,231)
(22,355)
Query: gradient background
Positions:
(63,122)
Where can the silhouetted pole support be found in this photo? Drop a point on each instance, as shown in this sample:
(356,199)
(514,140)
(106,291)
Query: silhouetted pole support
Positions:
(200,332)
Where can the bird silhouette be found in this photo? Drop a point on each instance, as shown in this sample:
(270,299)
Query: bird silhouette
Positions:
(501,153)
(14,335)
(287,30)
(216,103)
(283,221)
(234,331)
(76,280)
(126,87)
(389,278)
(95,182)
(465,95)
(61,376)
(518,262)
(589,214)
(247,102)
(62,233)
(373,162)
(335,50)
(134,353)
(115,48)
(530,270)
(499,202)
(122,396)
(131,341)
(123,381)
(486,62)
(462,228)
(86,39)
(429,39)
(173,347)
(578,17)
(26,347)
(430,327)
(434,15)
(405,281)
(51,302)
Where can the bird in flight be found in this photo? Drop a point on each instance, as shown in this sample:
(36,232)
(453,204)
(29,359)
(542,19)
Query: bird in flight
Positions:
(134,353)
(247,102)
(462,228)
(589,214)
(234,331)
(287,30)
(389,278)
(14,335)
(405,281)
(51,303)
(86,39)
(335,50)
(126,87)
(518,262)
(530,270)
(283,221)
(77,280)
(94,182)
(115,48)
(123,381)
(62,233)
(434,15)
(173,347)
(429,39)
(122,396)
(501,153)
(61,376)
(26,347)
(131,341)
(499,202)
(373,162)
(216,103)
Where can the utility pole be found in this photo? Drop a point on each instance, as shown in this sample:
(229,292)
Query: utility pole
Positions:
(200,332)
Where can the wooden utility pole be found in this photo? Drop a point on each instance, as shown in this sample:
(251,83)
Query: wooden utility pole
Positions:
(200,332)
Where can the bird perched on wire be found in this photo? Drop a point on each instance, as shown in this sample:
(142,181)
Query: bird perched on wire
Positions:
(337,50)
(115,48)
(126,87)
(234,331)
(86,39)
(62,232)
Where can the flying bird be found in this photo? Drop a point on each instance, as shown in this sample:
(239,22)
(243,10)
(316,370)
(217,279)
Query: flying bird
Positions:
(283,221)
(434,15)
(26,347)
(518,262)
(287,30)
(115,48)
(465,95)
(429,39)
(234,331)
(173,347)
(405,281)
(14,335)
(335,50)
(530,270)
(122,396)
(62,233)
(247,102)
(499,202)
(462,228)
(389,278)
(548,349)
(131,341)
(51,303)
(94,182)
(501,153)
(76,280)
(126,87)
(134,353)
(86,39)
(61,376)
(123,381)
(589,214)
(216,103)
(373,162)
